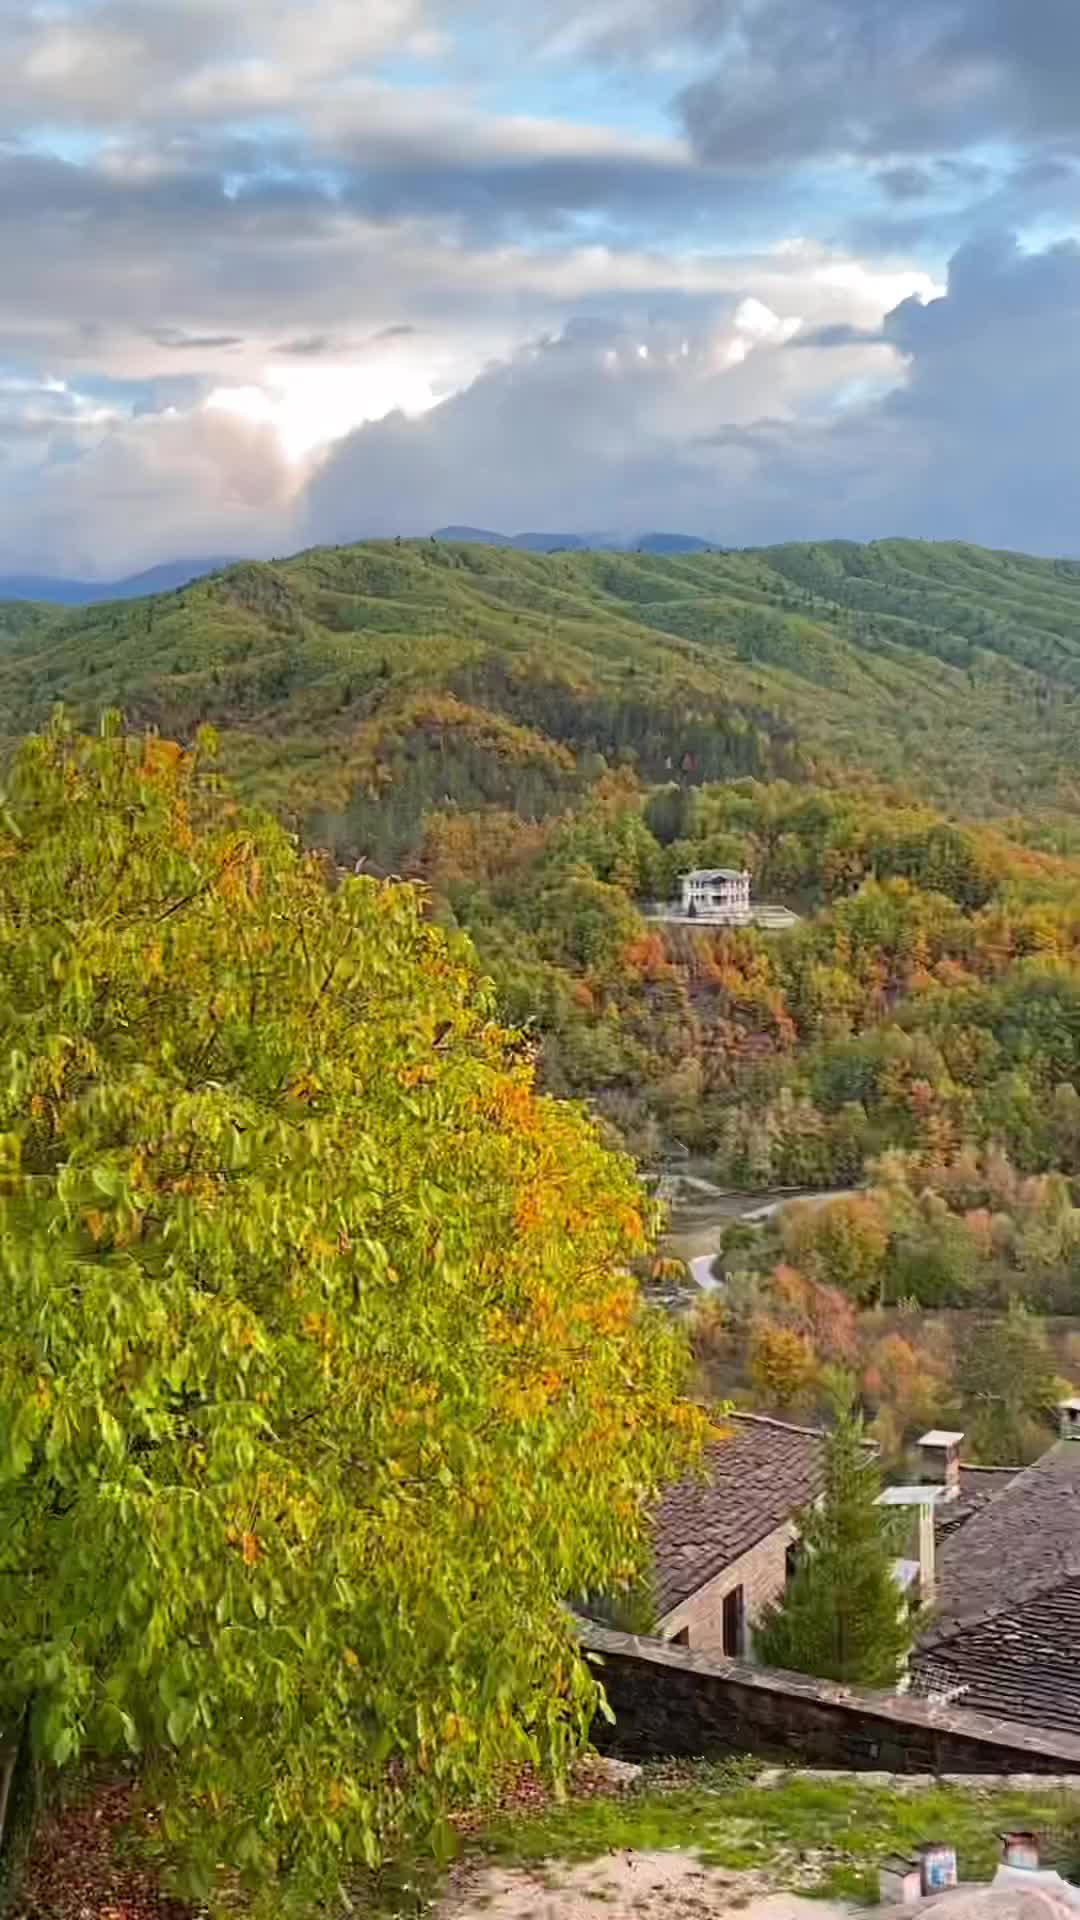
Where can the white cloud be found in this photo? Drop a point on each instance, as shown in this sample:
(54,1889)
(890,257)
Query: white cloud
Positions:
(109,63)
(594,428)
(309,407)
(576,425)
(572,29)
(734,440)
(171,484)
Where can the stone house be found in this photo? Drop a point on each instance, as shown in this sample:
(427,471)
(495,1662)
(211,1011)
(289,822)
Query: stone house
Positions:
(723,1545)
(947,1494)
(993,1565)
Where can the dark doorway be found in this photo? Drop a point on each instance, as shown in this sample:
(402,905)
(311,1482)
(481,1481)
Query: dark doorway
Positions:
(733,1623)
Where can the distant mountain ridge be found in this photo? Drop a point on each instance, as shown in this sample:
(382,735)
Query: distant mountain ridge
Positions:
(577,542)
(172,574)
(87,593)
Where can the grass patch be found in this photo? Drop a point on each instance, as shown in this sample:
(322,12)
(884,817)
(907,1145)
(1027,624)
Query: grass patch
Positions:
(828,1836)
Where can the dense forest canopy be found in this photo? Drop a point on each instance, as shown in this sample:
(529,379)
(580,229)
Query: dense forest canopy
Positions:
(946,669)
(548,740)
(886,736)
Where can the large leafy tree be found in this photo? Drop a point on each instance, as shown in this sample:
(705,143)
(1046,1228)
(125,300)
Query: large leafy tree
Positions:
(841,1616)
(321,1381)
(1007,1387)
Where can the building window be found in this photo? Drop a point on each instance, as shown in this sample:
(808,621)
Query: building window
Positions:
(732,1628)
(791,1560)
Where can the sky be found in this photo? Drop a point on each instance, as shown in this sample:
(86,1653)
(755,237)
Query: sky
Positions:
(276,272)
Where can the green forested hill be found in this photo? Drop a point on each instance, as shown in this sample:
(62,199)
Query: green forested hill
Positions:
(887,736)
(949,671)
(547,740)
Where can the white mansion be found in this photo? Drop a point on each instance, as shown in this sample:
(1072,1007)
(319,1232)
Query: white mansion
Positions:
(717,894)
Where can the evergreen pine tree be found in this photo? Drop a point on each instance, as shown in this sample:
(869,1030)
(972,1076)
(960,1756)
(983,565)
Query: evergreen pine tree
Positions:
(842,1616)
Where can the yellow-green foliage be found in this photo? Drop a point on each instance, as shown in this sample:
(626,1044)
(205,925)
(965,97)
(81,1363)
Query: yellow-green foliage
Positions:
(321,1382)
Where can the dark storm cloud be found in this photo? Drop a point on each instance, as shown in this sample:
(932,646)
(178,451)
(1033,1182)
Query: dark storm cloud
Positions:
(1022,196)
(277,102)
(1034,46)
(316,346)
(132,259)
(980,441)
(906,183)
(310,346)
(93,256)
(492,195)
(97,244)
(170,261)
(821,79)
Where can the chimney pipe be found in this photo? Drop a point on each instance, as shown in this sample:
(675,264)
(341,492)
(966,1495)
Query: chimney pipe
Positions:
(1021,1850)
(925,1501)
(939,1453)
(927,1556)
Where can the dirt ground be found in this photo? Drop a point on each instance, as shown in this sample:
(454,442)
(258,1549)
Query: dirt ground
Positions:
(647,1886)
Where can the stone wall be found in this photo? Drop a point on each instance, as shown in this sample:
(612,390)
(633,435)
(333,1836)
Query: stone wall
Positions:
(670,1700)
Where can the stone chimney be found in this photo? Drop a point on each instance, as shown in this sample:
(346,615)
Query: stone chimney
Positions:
(1069,1417)
(939,1454)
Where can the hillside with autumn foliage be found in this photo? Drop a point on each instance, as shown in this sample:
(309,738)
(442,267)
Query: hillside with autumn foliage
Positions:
(885,736)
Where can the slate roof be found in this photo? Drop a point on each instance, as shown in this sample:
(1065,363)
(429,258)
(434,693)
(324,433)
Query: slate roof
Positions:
(1007,1621)
(977,1486)
(1019,1665)
(1024,1540)
(760,1477)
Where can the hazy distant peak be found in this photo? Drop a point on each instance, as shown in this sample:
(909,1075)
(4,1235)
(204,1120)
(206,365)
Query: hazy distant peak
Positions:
(576,542)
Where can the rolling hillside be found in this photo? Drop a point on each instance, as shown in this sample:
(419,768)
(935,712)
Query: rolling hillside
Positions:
(886,736)
(949,672)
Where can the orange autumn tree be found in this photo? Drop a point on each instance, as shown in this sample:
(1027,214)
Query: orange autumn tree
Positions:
(783,1365)
(840,1243)
(321,1383)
